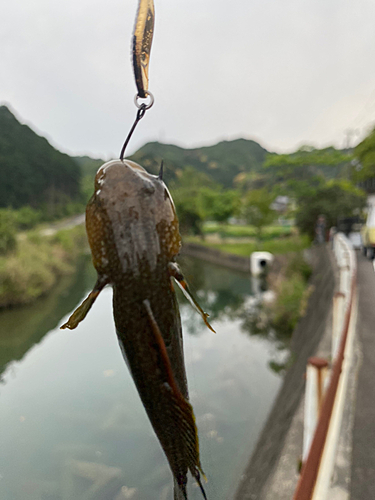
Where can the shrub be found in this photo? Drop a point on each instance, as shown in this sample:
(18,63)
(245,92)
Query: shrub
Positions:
(27,217)
(287,307)
(292,293)
(37,263)
(8,231)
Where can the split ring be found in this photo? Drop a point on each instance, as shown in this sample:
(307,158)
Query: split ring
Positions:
(149,105)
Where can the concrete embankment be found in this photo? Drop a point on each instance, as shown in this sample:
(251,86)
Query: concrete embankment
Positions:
(304,343)
(235,262)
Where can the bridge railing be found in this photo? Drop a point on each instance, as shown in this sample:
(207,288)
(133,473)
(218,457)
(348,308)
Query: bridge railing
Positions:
(326,382)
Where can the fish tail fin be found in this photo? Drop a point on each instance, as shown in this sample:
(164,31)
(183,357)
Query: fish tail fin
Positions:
(179,490)
(80,313)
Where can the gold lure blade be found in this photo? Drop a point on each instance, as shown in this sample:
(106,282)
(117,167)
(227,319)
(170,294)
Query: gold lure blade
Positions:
(142,41)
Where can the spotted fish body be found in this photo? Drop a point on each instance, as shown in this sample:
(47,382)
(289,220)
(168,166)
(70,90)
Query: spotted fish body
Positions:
(133,233)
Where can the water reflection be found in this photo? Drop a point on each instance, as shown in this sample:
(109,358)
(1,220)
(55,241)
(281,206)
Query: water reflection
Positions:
(23,327)
(222,293)
(225,294)
(71,422)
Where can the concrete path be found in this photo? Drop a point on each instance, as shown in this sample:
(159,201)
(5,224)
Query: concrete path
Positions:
(363,453)
(68,223)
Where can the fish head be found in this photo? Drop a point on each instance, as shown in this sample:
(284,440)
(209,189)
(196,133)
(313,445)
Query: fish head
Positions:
(131,217)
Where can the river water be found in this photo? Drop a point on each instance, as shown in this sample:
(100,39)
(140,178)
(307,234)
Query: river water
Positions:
(72,426)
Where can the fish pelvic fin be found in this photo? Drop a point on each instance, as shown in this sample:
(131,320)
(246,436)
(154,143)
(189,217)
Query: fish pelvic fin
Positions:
(182,411)
(179,490)
(81,311)
(176,273)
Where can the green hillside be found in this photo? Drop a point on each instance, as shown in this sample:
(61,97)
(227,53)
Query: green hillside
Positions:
(88,165)
(236,164)
(32,172)
(222,162)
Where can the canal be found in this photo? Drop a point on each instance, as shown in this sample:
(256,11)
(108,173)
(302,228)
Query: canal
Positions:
(72,426)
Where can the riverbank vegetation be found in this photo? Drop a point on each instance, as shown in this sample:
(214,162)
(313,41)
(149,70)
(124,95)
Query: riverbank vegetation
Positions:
(288,282)
(35,263)
(291,287)
(277,241)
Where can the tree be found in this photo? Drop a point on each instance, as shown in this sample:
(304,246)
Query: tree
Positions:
(257,209)
(186,196)
(8,231)
(32,172)
(365,153)
(334,200)
(218,204)
(307,165)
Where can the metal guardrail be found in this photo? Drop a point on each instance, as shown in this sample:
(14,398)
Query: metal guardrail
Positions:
(325,386)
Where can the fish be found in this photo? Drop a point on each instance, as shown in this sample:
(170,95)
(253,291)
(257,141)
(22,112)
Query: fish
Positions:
(133,232)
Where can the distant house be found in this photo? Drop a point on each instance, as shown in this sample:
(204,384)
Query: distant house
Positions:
(281,204)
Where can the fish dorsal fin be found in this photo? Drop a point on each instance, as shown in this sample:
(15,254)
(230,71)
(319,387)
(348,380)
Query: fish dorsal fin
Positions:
(161,171)
(81,311)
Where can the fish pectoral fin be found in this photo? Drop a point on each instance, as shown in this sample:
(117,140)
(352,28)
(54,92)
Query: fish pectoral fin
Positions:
(181,408)
(162,349)
(176,273)
(81,311)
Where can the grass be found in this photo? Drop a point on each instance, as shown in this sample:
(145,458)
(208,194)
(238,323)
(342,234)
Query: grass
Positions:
(37,263)
(290,304)
(235,231)
(284,245)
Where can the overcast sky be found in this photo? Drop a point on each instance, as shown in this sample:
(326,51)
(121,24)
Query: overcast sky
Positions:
(282,72)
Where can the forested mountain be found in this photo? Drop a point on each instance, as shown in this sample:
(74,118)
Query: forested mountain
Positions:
(88,165)
(32,172)
(222,162)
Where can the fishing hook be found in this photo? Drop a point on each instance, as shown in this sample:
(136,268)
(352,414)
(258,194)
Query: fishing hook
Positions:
(142,108)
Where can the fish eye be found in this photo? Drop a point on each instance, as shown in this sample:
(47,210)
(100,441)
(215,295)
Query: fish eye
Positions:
(149,190)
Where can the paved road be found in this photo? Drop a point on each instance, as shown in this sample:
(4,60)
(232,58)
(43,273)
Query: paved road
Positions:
(363,456)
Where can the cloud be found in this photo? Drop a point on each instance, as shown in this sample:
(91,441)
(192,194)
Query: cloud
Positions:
(281,72)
